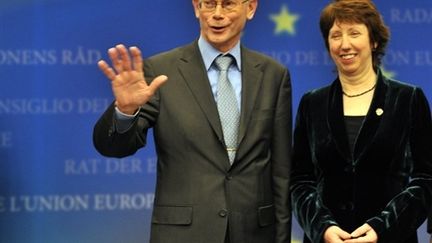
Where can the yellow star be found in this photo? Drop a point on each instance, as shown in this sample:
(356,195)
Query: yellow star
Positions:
(285,21)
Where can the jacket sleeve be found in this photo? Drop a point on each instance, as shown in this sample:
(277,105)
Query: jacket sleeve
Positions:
(409,209)
(108,141)
(308,207)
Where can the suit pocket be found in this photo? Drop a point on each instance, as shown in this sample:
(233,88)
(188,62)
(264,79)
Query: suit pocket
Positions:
(173,215)
(266,215)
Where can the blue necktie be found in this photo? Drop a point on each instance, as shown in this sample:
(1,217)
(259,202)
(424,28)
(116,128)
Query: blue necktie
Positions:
(227,106)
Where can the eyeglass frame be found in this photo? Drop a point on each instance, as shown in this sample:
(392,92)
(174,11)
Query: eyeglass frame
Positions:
(221,3)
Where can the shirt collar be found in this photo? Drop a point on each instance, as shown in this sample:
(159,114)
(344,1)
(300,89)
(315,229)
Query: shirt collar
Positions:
(209,53)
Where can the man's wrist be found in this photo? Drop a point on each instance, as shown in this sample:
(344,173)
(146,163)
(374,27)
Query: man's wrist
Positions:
(125,116)
(125,110)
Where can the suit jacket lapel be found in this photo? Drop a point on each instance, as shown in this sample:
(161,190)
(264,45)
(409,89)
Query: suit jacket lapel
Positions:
(251,83)
(336,121)
(373,118)
(198,83)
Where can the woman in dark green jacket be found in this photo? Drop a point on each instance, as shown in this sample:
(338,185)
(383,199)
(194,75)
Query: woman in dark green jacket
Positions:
(362,156)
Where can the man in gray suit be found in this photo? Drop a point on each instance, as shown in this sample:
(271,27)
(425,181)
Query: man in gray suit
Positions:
(206,191)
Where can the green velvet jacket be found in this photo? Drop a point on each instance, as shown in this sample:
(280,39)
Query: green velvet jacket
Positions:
(386,181)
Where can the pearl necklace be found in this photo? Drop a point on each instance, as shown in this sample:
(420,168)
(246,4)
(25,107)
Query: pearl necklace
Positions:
(360,94)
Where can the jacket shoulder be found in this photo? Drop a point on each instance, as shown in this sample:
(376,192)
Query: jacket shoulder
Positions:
(173,53)
(264,59)
(399,85)
(317,95)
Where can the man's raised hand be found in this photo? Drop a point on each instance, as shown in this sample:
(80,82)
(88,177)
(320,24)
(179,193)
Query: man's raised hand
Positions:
(129,87)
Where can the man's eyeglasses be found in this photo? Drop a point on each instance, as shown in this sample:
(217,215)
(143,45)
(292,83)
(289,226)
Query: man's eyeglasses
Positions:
(210,6)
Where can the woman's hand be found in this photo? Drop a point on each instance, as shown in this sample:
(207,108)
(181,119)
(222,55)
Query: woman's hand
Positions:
(363,234)
(334,234)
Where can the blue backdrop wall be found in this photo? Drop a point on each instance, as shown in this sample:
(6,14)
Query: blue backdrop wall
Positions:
(54,187)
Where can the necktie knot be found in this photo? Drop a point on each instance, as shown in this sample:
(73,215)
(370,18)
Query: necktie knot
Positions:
(223,62)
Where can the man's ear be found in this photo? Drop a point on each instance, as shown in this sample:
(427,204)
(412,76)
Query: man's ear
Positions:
(195,4)
(252,6)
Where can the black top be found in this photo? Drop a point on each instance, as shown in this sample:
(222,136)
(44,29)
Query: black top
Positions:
(352,126)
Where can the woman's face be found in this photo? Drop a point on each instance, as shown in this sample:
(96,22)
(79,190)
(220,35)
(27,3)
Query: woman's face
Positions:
(350,48)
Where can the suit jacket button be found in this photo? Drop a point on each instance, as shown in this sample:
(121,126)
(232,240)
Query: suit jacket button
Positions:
(223,213)
(229,177)
(110,132)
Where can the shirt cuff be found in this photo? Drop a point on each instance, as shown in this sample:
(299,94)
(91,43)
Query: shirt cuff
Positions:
(123,122)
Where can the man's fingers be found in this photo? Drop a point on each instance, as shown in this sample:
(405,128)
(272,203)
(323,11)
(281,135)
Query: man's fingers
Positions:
(136,59)
(157,82)
(115,59)
(107,70)
(125,59)
(124,66)
(121,59)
